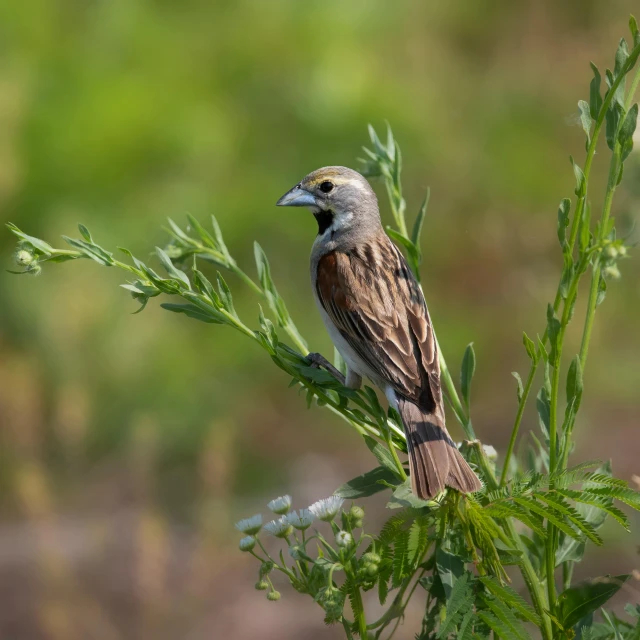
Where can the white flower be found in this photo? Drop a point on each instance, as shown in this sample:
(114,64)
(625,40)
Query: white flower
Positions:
(327,508)
(301,520)
(344,539)
(280,505)
(251,525)
(246,544)
(280,528)
(490,452)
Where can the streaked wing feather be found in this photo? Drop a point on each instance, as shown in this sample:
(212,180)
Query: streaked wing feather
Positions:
(378,307)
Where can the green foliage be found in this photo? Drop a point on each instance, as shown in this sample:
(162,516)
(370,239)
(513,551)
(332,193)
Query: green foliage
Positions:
(532,515)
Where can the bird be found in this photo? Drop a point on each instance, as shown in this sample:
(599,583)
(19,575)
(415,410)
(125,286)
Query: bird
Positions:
(375,313)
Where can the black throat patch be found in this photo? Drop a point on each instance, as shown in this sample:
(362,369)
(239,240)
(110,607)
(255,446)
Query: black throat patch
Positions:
(324,220)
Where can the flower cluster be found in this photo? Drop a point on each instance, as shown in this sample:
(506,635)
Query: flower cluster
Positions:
(333,554)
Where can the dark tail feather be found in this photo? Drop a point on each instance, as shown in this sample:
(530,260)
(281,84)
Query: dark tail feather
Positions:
(434,460)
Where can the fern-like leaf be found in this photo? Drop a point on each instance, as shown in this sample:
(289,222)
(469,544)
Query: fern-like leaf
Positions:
(511,510)
(458,604)
(586,497)
(548,514)
(497,626)
(626,495)
(510,624)
(400,558)
(557,502)
(511,598)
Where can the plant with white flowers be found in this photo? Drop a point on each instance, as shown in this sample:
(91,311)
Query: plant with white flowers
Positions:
(536,513)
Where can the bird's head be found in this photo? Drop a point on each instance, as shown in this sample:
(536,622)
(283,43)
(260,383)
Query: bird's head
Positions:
(339,198)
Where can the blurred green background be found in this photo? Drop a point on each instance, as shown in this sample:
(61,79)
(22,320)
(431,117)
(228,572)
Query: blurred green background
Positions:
(129,444)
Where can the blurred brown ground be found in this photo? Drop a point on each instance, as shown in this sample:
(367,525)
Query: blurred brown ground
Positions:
(130,444)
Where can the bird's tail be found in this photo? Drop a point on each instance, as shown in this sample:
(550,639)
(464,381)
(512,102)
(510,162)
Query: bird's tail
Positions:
(434,460)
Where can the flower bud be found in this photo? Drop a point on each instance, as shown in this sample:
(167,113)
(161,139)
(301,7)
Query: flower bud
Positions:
(273,596)
(622,251)
(371,558)
(490,452)
(344,539)
(612,272)
(24,258)
(357,513)
(296,552)
(611,252)
(372,570)
(247,543)
(262,585)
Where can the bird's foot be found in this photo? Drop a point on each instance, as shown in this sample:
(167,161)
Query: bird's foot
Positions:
(317,361)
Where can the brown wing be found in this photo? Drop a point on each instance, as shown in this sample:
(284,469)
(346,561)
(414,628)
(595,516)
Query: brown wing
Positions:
(377,305)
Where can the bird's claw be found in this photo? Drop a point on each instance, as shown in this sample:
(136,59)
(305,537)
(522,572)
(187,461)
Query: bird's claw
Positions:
(317,361)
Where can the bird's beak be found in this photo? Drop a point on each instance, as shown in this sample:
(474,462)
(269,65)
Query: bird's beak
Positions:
(297,197)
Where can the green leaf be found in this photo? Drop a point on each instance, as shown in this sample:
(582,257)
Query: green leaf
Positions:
(502,630)
(367,484)
(563,222)
(577,602)
(400,560)
(548,514)
(633,27)
(585,119)
(555,501)
(622,55)
(403,496)
(553,331)
(595,99)
(511,598)
(412,251)
(509,510)
(204,286)
(467,371)
(450,568)
(417,225)
(574,381)
(628,496)
(84,232)
(91,250)
(627,129)
(458,604)
(520,390)
(175,273)
(382,454)
(510,625)
(418,540)
(614,114)
(597,503)
(193,312)
(543,406)
(602,290)
(530,347)
(581,183)
(36,243)
(226,299)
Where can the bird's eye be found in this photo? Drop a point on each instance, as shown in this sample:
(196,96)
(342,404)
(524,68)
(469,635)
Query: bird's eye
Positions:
(326,186)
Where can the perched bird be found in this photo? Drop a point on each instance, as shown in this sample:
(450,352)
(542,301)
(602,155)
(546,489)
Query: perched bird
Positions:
(377,318)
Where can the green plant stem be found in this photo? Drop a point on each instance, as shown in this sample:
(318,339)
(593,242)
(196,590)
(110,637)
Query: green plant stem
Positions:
(534,586)
(597,270)
(518,420)
(454,399)
(360,618)
(394,454)
(575,224)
